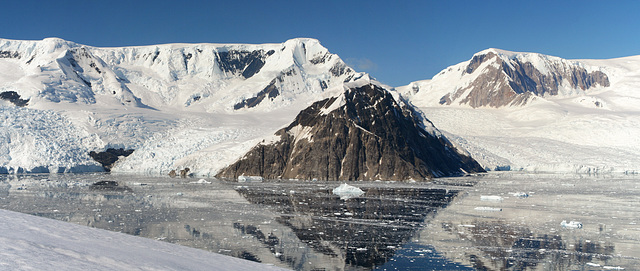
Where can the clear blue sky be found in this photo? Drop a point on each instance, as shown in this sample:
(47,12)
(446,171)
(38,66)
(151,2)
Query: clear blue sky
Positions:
(395,41)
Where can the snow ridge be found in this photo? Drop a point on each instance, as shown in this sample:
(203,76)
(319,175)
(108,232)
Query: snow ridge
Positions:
(149,97)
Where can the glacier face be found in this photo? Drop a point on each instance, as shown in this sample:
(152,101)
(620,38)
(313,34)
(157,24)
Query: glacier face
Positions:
(145,97)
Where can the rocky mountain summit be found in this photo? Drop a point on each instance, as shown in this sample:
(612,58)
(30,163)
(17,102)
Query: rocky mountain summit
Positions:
(362,134)
(497,78)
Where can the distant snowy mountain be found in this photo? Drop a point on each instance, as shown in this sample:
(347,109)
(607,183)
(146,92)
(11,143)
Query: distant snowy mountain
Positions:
(128,97)
(212,77)
(497,78)
(527,111)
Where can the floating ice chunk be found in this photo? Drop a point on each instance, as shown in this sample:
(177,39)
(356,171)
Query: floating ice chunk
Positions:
(346,191)
(488,209)
(202,181)
(491,198)
(521,195)
(613,267)
(250,179)
(571,224)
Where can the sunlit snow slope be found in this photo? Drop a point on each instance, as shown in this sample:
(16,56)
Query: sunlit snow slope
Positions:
(173,103)
(585,124)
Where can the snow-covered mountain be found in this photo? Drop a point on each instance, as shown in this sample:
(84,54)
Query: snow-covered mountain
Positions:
(203,106)
(167,100)
(497,78)
(211,77)
(536,112)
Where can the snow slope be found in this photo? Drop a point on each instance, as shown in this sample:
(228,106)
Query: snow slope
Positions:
(175,103)
(35,243)
(577,131)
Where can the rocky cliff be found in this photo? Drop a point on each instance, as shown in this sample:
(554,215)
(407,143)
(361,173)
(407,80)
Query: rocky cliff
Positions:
(361,134)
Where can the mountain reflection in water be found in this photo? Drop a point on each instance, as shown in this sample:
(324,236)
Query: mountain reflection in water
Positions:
(365,230)
(299,225)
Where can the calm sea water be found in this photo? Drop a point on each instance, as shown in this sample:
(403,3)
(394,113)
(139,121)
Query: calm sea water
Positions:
(501,221)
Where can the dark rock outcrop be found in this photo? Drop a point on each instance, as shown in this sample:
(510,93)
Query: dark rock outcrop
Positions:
(246,63)
(364,134)
(9,54)
(109,157)
(513,81)
(271,91)
(14,98)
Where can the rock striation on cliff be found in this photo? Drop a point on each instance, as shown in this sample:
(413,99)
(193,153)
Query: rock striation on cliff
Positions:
(362,134)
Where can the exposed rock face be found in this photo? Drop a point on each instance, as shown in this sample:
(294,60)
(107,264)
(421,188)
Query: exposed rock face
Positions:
(363,134)
(502,80)
(14,98)
(109,157)
(271,91)
(246,63)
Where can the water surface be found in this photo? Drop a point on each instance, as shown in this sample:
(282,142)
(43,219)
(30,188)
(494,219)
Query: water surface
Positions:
(487,222)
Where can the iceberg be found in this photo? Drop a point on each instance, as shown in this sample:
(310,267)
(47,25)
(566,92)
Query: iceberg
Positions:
(250,179)
(346,191)
(491,198)
(521,195)
(571,224)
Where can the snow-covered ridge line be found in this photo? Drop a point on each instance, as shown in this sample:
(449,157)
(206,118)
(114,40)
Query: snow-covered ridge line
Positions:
(499,78)
(136,97)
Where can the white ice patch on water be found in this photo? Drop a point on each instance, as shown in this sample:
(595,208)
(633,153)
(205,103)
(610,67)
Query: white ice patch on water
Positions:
(345,191)
(571,224)
(250,179)
(488,209)
(491,198)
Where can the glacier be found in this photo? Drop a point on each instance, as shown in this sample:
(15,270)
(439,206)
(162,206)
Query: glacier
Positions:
(589,130)
(178,105)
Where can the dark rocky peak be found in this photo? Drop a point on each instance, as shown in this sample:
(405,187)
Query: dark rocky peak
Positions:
(515,78)
(477,60)
(362,134)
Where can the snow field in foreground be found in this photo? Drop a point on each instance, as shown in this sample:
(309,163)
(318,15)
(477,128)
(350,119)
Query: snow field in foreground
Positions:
(35,243)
